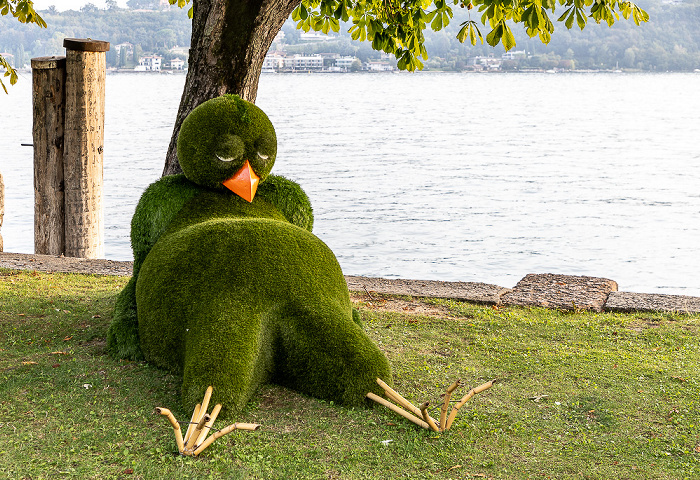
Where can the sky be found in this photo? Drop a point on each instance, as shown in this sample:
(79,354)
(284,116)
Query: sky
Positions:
(62,5)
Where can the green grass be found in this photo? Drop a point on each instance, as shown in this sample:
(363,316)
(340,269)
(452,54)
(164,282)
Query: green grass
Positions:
(584,395)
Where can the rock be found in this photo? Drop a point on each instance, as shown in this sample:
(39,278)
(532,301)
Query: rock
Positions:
(566,292)
(53,263)
(631,302)
(467,291)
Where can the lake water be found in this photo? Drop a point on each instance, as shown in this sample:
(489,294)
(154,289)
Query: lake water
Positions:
(468,177)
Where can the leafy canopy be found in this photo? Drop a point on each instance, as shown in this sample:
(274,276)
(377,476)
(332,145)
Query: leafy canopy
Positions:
(23,11)
(396,26)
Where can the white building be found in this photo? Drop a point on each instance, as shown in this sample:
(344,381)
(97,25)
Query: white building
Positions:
(485,63)
(177,64)
(150,63)
(314,62)
(379,67)
(273,62)
(344,63)
(129,47)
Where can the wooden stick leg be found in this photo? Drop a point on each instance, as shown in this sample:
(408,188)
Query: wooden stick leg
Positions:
(196,432)
(207,427)
(395,396)
(465,399)
(205,402)
(190,427)
(428,418)
(221,433)
(446,403)
(398,410)
(176,427)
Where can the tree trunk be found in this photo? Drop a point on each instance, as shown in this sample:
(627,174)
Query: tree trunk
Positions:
(229,41)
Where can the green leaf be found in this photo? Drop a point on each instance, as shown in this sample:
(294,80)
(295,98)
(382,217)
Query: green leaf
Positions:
(570,21)
(436,24)
(494,36)
(580,19)
(464,32)
(508,38)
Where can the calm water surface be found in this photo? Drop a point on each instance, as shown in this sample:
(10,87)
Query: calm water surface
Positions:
(440,176)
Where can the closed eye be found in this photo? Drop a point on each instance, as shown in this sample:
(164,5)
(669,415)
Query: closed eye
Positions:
(226,159)
(263,157)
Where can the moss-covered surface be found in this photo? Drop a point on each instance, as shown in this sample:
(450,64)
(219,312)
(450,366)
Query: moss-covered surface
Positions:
(585,396)
(219,135)
(232,293)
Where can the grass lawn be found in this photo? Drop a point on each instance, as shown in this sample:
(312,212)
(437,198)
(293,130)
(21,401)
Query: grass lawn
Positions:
(583,395)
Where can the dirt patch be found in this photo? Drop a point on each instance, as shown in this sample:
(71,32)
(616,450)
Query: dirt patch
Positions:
(400,305)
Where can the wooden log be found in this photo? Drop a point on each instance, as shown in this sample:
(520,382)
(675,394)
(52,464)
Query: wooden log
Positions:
(225,431)
(83,147)
(446,403)
(48,100)
(398,410)
(176,427)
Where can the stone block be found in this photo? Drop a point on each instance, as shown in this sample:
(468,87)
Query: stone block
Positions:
(651,302)
(465,291)
(566,292)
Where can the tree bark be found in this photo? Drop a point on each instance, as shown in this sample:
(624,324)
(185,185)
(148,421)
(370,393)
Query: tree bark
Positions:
(229,41)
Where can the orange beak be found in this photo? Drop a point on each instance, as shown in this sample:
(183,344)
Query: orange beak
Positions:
(244,183)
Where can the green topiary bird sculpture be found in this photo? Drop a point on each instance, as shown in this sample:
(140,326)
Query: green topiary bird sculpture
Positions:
(232,289)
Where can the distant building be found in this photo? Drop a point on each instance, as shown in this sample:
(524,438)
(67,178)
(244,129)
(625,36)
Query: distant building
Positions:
(126,45)
(380,66)
(512,55)
(184,51)
(150,63)
(313,37)
(344,63)
(485,63)
(273,62)
(177,64)
(302,62)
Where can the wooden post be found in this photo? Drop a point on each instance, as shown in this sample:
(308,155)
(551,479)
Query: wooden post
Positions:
(2,207)
(83,145)
(48,89)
